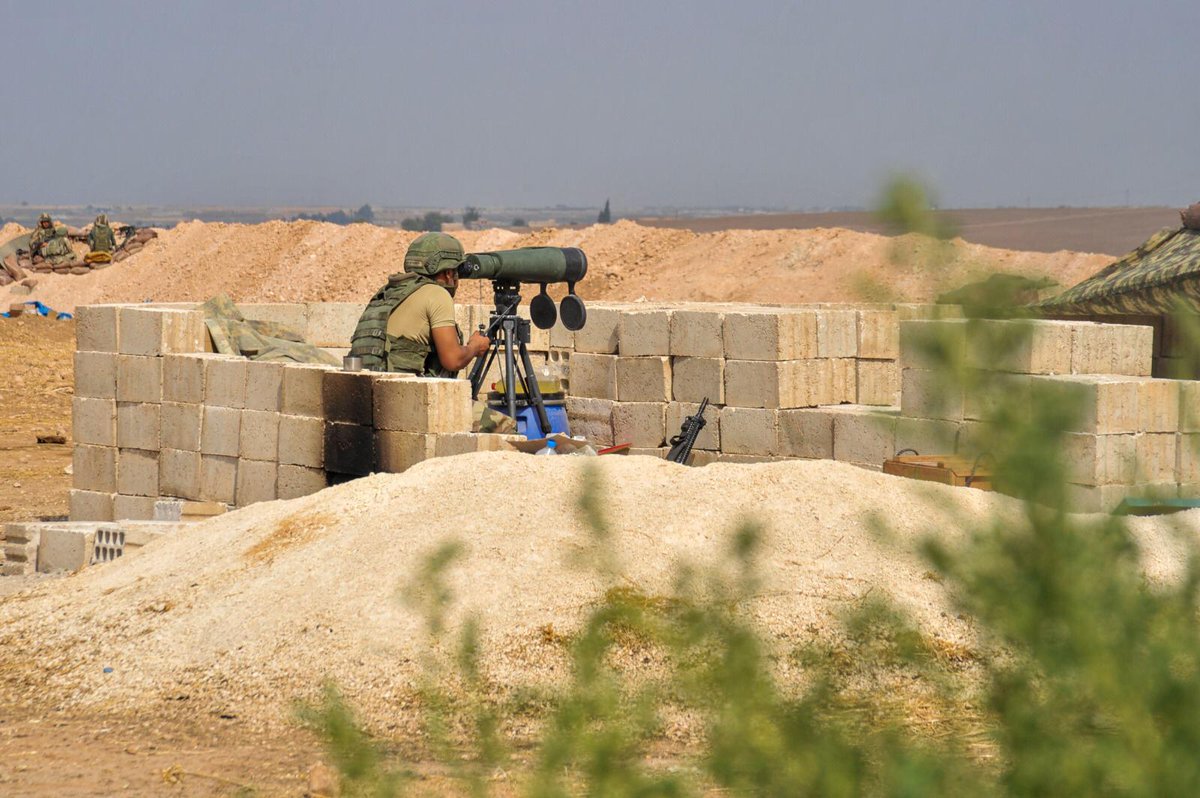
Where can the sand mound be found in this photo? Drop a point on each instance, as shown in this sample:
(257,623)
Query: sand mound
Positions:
(317,261)
(246,612)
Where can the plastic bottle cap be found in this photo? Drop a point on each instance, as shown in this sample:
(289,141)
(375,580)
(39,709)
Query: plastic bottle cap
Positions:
(552,444)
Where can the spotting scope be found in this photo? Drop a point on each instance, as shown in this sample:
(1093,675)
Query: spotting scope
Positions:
(508,268)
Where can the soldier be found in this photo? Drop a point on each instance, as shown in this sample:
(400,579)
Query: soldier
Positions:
(50,241)
(101,238)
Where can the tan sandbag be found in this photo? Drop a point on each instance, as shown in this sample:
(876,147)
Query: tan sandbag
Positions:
(12,267)
(80,270)
(30,282)
(1190,216)
(38,259)
(5,278)
(133,247)
(102,265)
(120,256)
(144,235)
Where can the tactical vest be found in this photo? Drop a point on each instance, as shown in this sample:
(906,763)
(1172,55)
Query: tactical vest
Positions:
(382,352)
(101,239)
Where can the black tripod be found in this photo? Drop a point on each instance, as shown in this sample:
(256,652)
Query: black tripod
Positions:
(510,335)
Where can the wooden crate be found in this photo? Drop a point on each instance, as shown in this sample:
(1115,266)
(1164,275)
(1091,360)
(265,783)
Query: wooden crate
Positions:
(945,469)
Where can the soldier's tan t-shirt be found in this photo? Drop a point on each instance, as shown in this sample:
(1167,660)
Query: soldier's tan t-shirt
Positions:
(428,307)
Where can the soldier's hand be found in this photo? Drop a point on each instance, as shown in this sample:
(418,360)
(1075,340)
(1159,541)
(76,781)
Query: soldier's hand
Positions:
(478,344)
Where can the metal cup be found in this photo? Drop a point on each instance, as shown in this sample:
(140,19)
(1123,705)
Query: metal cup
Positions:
(351,363)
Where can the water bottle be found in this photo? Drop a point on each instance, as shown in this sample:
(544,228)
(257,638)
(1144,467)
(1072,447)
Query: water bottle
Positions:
(551,447)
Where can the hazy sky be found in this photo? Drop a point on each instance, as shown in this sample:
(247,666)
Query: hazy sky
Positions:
(696,103)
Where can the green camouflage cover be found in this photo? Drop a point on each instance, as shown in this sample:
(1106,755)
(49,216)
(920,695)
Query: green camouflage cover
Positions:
(234,334)
(1157,278)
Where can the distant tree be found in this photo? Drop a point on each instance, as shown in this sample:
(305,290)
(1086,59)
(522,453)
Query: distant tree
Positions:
(605,215)
(470,216)
(431,222)
(365,214)
(519,222)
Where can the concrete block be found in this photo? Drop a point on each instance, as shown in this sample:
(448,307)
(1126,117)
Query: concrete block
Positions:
(220,431)
(710,436)
(423,405)
(642,424)
(806,433)
(837,333)
(863,435)
(747,430)
(96,375)
(1156,457)
(64,548)
(96,328)
(179,474)
(747,459)
(302,390)
(456,443)
(926,394)
(782,384)
(349,448)
(256,482)
(992,391)
(601,334)
(264,386)
(1021,346)
(347,396)
(94,468)
(134,508)
(878,382)
(643,379)
(225,382)
(259,435)
(1106,498)
(94,421)
(1123,349)
(137,472)
(926,436)
(399,451)
(86,505)
(180,425)
(292,315)
(218,478)
(843,380)
(697,378)
(933,344)
(644,333)
(295,481)
(1100,459)
(1108,405)
(591,418)
(878,334)
(302,441)
(187,511)
(593,376)
(183,377)
(333,323)
(697,333)
(1189,406)
(20,549)
(138,425)
(1187,458)
(139,378)
(155,331)
(1158,405)
(561,337)
(770,335)
(657,452)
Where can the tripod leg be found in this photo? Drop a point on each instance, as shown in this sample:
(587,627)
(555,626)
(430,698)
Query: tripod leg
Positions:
(479,371)
(533,392)
(510,386)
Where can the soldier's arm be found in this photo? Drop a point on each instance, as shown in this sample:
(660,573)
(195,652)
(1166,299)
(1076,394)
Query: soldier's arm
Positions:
(453,355)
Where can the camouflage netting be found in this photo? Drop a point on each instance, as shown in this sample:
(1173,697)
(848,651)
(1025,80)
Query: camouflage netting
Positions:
(234,334)
(1157,278)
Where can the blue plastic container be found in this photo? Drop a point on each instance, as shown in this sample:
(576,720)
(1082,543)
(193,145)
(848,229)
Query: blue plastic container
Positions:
(527,422)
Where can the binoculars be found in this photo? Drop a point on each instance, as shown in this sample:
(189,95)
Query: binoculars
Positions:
(541,265)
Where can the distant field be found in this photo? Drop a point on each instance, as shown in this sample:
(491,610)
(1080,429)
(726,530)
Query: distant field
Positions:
(1112,231)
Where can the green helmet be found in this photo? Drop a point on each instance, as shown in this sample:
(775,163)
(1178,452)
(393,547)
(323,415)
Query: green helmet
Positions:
(431,253)
(45,217)
(102,219)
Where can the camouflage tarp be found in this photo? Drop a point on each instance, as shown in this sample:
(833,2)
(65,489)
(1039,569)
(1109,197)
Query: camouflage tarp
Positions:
(234,334)
(1157,278)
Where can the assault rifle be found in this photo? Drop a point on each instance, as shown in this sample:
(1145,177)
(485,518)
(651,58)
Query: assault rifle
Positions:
(681,444)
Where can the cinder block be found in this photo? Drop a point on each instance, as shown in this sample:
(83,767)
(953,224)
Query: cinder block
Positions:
(591,418)
(657,452)
(1158,405)
(1123,349)
(179,474)
(94,421)
(155,331)
(927,394)
(180,425)
(220,432)
(183,377)
(96,328)
(456,443)
(863,435)
(225,382)
(96,375)
(709,437)
(878,335)
(295,481)
(1100,459)
(20,549)
(697,378)
(770,335)
(333,323)
(137,472)
(561,337)
(302,390)
(1108,405)
(747,430)
(697,333)
(1187,458)
(837,333)
(643,379)
(593,376)
(256,482)
(642,424)
(1189,406)
(65,548)
(398,451)
(878,382)
(184,510)
(601,334)
(806,433)
(782,384)
(1106,498)
(86,505)
(138,425)
(926,436)
(292,315)
(993,391)
(349,448)
(1021,346)
(134,508)
(259,435)
(645,333)
(218,478)
(139,378)
(843,380)
(747,459)
(264,386)
(423,405)
(933,344)
(302,441)
(1156,457)
(94,468)
(347,396)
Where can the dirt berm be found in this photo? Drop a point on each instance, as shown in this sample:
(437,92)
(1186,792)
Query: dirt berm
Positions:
(245,613)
